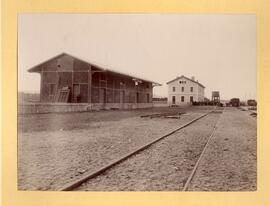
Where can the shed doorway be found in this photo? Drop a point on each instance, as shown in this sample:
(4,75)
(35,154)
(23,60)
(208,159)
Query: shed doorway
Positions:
(80,93)
(76,93)
(102,97)
(148,98)
(122,98)
(137,97)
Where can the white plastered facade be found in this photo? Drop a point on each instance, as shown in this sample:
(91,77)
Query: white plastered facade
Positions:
(179,96)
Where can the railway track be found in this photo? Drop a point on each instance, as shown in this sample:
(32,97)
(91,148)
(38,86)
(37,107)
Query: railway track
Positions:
(73,185)
(192,174)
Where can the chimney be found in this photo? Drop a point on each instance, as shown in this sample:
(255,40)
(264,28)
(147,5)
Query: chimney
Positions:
(193,78)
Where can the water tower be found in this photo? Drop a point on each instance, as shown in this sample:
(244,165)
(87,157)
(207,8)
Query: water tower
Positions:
(215,97)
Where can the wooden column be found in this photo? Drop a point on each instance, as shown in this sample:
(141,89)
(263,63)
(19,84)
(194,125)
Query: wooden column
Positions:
(113,88)
(72,82)
(41,86)
(89,84)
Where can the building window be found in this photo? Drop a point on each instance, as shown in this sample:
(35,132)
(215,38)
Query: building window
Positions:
(182,98)
(191,99)
(182,82)
(183,89)
(173,89)
(191,89)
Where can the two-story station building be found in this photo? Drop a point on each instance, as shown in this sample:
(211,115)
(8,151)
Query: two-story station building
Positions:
(183,90)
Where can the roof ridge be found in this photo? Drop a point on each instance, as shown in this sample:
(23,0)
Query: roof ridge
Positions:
(183,76)
(103,67)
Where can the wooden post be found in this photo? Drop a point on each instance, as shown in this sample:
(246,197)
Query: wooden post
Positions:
(41,86)
(72,82)
(106,90)
(112,88)
(89,84)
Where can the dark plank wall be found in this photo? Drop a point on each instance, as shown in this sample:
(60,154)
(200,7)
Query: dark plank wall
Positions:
(60,79)
(115,84)
(68,71)
(79,65)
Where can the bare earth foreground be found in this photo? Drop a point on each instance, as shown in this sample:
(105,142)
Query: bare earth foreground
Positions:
(56,149)
(229,163)
(164,166)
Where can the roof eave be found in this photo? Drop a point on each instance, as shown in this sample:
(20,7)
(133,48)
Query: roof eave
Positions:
(185,78)
(35,68)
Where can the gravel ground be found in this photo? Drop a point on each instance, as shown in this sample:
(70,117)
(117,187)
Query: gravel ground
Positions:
(229,163)
(82,120)
(165,166)
(50,158)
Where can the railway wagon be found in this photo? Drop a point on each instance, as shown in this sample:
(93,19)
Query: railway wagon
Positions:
(251,102)
(235,102)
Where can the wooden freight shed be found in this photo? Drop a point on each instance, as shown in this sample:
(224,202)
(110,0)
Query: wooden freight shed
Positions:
(68,79)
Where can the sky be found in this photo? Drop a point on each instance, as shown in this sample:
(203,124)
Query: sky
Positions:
(218,50)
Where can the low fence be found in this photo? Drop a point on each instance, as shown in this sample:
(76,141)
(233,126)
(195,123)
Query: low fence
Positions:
(160,103)
(38,108)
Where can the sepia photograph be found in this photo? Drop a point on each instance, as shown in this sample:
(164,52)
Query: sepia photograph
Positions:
(136,102)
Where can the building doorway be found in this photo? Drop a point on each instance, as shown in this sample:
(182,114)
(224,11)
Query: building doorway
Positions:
(80,93)
(173,99)
(182,98)
(122,98)
(102,97)
(76,93)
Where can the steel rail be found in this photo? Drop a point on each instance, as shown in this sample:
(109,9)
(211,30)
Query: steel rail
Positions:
(201,156)
(77,183)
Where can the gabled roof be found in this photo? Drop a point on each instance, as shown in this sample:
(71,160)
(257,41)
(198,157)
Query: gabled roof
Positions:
(177,78)
(104,68)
